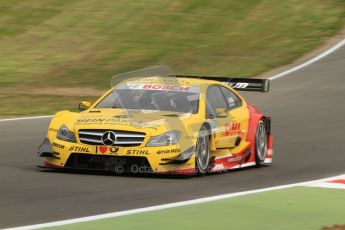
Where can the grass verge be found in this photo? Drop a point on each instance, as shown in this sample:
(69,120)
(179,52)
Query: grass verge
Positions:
(295,208)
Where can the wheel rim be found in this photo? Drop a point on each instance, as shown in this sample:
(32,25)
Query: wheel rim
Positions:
(203,150)
(261,142)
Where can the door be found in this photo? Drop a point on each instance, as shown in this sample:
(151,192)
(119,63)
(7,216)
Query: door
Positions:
(217,110)
(237,128)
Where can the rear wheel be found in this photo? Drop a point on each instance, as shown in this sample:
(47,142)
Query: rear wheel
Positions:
(202,155)
(260,144)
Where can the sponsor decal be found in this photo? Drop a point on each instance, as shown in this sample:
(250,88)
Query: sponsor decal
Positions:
(79,149)
(235,158)
(218,167)
(160,86)
(148,124)
(137,152)
(167,151)
(232,130)
(119,121)
(166,87)
(59,146)
(113,150)
(103,149)
(102,121)
(239,85)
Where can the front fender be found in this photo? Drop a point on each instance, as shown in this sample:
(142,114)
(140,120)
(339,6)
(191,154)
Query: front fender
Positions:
(61,118)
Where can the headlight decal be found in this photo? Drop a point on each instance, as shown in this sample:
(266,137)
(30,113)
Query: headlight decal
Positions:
(168,138)
(65,134)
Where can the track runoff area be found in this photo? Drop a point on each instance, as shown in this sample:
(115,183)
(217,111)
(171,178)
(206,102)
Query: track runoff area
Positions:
(306,205)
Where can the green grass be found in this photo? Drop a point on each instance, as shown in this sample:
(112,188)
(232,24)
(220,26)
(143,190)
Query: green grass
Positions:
(299,208)
(77,43)
(21,104)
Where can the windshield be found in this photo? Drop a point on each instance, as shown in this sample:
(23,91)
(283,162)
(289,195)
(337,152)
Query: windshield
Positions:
(155,88)
(178,99)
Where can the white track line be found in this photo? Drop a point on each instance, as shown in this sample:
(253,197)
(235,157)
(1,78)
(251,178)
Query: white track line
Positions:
(166,206)
(305,64)
(311,61)
(25,118)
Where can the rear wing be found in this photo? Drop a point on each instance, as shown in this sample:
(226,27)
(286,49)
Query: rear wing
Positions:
(240,84)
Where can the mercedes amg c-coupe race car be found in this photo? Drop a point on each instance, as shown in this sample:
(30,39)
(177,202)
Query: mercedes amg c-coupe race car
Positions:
(153,121)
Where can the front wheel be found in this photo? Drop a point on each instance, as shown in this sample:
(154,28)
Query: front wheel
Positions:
(260,144)
(202,154)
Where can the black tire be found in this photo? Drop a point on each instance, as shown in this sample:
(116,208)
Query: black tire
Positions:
(260,144)
(202,153)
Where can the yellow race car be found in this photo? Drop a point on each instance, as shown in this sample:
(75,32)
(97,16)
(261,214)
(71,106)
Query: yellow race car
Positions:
(154,122)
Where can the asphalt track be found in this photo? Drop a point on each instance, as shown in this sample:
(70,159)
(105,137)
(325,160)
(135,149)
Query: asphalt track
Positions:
(307,108)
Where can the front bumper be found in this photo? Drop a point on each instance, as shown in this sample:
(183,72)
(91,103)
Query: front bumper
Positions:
(165,159)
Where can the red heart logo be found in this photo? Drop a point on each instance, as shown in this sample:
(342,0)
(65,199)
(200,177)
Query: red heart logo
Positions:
(103,149)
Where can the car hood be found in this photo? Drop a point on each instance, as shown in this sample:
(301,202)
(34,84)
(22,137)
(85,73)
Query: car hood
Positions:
(150,122)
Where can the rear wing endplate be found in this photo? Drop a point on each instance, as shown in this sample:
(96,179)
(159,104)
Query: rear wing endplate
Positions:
(240,84)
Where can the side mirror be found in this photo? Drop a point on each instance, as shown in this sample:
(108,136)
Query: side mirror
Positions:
(221,112)
(84,105)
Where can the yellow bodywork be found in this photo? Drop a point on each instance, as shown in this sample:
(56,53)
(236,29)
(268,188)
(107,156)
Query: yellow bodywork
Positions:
(152,123)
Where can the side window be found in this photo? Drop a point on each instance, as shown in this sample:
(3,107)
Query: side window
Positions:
(214,100)
(232,99)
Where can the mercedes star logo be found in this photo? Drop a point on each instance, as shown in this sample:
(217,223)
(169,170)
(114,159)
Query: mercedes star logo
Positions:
(109,138)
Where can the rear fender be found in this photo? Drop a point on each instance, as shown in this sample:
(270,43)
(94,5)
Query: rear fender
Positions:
(255,116)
